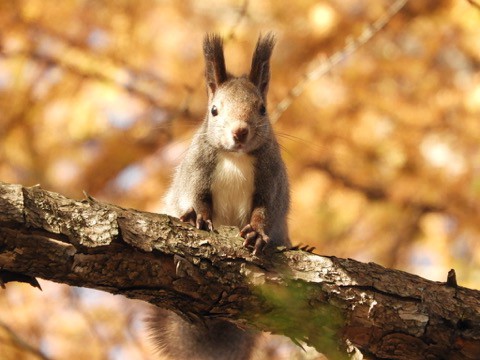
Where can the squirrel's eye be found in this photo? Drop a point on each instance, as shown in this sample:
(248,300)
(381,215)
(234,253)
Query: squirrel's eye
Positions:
(263,110)
(214,110)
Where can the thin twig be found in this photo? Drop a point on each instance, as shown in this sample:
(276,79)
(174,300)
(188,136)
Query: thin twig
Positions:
(71,67)
(325,65)
(474,3)
(20,343)
(137,73)
(242,14)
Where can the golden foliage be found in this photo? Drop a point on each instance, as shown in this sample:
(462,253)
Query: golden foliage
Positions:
(383,151)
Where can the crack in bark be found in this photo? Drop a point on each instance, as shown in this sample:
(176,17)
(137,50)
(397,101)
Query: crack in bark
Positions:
(374,289)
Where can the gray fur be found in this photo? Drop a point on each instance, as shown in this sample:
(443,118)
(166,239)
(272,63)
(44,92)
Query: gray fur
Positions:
(216,339)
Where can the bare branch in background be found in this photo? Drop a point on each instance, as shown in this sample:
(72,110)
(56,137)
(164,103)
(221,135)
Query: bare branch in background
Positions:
(473,3)
(242,15)
(98,75)
(21,343)
(137,73)
(326,65)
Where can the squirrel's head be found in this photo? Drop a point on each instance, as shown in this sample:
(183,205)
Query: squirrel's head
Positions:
(237,118)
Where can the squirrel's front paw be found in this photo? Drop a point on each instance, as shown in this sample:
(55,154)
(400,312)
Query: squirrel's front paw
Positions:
(200,221)
(255,238)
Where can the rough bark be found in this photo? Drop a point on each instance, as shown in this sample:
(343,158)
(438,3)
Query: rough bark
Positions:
(324,301)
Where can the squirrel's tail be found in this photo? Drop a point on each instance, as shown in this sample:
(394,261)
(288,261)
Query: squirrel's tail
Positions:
(177,338)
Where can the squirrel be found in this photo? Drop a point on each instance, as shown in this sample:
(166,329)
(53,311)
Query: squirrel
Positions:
(232,174)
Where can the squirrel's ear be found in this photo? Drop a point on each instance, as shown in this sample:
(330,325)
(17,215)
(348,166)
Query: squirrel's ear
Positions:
(215,71)
(260,70)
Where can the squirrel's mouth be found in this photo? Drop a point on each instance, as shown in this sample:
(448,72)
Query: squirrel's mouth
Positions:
(237,148)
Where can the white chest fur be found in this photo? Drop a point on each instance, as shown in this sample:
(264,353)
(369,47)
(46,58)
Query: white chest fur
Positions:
(232,189)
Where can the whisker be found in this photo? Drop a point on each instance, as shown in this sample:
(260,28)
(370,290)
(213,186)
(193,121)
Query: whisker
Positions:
(313,146)
(261,125)
(266,138)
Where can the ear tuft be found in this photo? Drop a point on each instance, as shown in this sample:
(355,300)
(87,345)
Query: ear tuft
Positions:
(260,70)
(215,70)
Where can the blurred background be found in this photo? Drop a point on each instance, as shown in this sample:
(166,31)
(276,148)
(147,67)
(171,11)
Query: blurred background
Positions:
(382,151)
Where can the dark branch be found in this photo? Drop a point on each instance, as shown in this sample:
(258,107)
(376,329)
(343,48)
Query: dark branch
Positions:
(324,301)
(320,67)
(474,4)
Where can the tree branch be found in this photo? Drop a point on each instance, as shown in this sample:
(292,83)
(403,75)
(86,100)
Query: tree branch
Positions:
(324,65)
(474,4)
(321,300)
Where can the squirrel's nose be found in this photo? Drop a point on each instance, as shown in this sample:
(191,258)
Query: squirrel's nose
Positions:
(240,134)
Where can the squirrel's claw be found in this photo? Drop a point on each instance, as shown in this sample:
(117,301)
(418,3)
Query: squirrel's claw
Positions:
(254,239)
(260,245)
(247,229)
(203,224)
(189,216)
(199,221)
(302,247)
